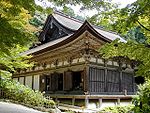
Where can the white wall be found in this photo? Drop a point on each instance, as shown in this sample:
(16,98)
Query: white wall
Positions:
(36,82)
(16,79)
(28,81)
(21,80)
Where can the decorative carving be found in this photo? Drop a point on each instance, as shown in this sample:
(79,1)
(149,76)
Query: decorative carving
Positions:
(56,62)
(70,59)
(44,65)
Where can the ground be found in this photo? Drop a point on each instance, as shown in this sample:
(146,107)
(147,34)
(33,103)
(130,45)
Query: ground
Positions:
(15,108)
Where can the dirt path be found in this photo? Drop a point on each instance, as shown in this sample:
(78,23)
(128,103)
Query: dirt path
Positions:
(16,108)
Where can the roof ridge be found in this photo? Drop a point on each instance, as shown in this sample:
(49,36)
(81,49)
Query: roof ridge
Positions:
(67,16)
(79,21)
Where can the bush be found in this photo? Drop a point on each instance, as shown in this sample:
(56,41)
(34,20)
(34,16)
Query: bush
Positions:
(17,92)
(118,109)
(142,100)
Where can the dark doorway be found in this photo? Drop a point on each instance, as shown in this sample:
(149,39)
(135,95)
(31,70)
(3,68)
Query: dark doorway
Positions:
(48,83)
(77,80)
(60,82)
(54,82)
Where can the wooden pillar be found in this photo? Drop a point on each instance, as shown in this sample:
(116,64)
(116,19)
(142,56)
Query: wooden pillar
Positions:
(105,65)
(24,80)
(120,83)
(73,100)
(133,83)
(56,99)
(42,83)
(86,101)
(32,81)
(86,79)
(120,77)
(100,102)
(64,81)
(118,101)
(18,78)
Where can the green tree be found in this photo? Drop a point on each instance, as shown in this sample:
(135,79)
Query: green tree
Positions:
(86,4)
(126,22)
(69,11)
(135,14)
(38,20)
(136,35)
(125,19)
(15,34)
(9,63)
(14,15)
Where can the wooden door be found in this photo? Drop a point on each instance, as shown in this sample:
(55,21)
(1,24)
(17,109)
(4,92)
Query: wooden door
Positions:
(68,80)
(54,82)
(42,83)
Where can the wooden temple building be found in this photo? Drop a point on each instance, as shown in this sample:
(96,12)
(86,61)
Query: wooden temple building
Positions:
(69,66)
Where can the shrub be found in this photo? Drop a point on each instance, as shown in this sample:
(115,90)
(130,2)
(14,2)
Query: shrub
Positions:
(118,109)
(15,91)
(142,100)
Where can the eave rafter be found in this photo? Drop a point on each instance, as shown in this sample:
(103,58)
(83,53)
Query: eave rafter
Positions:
(73,49)
(85,27)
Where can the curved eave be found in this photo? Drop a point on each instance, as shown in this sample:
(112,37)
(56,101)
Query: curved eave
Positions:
(85,27)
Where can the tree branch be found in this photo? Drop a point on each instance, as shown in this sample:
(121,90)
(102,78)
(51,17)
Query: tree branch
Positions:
(143,26)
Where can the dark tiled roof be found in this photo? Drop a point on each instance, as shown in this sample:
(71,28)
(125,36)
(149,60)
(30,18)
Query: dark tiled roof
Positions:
(75,24)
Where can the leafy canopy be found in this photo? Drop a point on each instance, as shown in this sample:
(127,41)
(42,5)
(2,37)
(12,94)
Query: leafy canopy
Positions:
(123,20)
(132,50)
(134,15)
(14,15)
(86,4)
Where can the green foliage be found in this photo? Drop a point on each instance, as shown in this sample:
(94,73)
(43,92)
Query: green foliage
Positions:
(135,34)
(9,63)
(119,109)
(125,19)
(14,60)
(38,20)
(133,51)
(105,18)
(142,101)
(133,15)
(20,93)
(69,11)
(15,29)
(86,4)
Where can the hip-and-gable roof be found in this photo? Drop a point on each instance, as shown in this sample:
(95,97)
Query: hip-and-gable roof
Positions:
(60,29)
